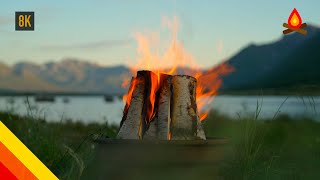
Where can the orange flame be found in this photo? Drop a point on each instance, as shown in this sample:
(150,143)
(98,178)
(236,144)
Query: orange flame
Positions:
(150,58)
(208,85)
(294,19)
(127,97)
(155,81)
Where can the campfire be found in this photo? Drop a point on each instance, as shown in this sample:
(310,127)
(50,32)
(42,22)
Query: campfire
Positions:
(161,107)
(164,103)
(295,24)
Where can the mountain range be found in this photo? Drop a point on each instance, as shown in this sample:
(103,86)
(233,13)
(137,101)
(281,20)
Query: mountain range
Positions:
(291,61)
(68,75)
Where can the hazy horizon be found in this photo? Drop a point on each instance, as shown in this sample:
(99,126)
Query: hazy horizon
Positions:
(208,29)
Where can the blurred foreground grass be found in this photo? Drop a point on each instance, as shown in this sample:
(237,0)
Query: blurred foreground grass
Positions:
(64,147)
(282,148)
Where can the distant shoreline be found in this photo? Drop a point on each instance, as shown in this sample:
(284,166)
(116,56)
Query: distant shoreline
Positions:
(57,94)
(273,92)
(265,92)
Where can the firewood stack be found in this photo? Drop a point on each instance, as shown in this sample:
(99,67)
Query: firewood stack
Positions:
(161,107)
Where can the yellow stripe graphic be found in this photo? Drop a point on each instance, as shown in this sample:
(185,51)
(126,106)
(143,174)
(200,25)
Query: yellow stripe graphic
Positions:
(24,154)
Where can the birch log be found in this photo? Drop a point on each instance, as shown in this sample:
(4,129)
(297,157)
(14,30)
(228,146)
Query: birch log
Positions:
(185,122)
(132,124)
(164,118)
(159,127)
(152,130)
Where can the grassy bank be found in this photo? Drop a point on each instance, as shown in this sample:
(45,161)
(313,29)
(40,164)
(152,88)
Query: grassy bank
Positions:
(282,148)
(64,147)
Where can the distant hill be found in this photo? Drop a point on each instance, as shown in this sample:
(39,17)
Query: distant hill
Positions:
(65,77)
(69,75)
(292,61)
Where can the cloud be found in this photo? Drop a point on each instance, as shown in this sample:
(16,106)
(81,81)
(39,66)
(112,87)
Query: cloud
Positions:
(91,45)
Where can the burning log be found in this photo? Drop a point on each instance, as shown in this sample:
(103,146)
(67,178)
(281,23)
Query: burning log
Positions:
(185,123)
(166,108)
(160,127)
(152,131)
(164,115)
(131,124)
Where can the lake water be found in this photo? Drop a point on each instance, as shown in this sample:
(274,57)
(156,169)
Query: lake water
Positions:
(96,109)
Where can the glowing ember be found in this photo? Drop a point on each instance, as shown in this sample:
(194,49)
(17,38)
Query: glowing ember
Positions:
(294,19)
(150,58)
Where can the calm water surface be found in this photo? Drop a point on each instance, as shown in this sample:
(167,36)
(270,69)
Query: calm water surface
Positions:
(96,109)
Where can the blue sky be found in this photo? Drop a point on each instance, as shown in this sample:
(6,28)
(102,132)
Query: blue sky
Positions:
(101,31)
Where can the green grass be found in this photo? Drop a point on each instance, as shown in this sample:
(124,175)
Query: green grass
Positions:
(278,148)
(282,148)
(64,148)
